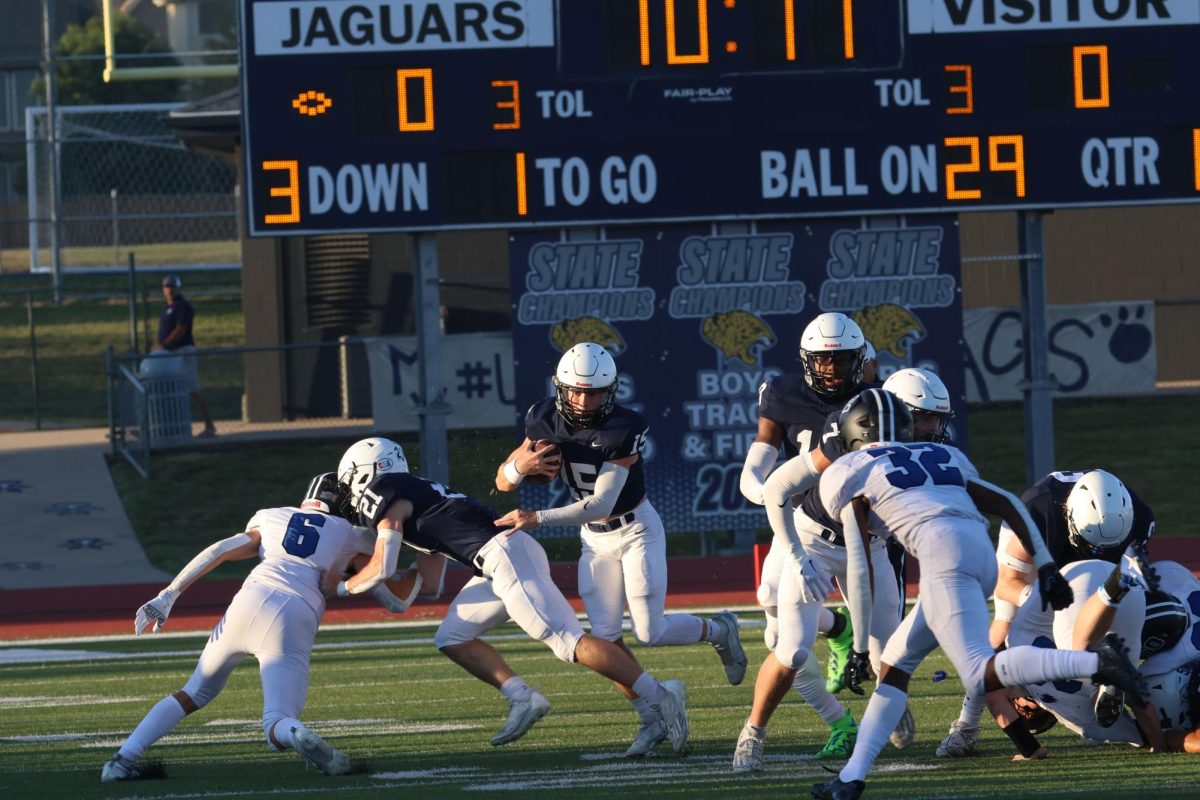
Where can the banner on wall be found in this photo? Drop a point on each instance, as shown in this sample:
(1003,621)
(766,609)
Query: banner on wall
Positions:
(697,322)
(1096,349)
(478,370)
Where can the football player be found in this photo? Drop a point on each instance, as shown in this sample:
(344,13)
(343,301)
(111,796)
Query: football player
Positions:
(1081,515)
(274,617)
(793,410)
(927,398)
(595,445)
(929,497)
(511,581)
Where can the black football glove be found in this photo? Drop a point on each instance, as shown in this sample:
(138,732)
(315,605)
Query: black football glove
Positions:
(1056,592)
(858,669)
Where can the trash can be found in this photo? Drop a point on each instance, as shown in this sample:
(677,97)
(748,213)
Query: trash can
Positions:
(169,411)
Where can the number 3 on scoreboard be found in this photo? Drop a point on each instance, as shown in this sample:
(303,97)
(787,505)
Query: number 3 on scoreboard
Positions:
(1012,160)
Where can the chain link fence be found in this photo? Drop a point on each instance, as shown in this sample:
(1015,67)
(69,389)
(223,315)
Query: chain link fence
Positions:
(125,183)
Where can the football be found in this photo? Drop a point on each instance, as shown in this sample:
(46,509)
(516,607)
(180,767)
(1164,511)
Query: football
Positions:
(401,584)
(542,480)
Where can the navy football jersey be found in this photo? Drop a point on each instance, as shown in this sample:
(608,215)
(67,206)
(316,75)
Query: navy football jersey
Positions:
(790,402)
(831,446)
(443,521)
(619,435)
(1046,502)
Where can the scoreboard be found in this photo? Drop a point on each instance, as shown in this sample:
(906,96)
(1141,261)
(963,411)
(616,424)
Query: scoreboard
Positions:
(424,115)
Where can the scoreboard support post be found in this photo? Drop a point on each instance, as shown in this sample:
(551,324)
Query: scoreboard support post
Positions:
(432,406)
(1037,386)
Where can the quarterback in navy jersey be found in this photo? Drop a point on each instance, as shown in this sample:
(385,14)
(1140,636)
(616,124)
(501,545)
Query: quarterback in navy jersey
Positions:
(595,446)
(807,549)
(511,581)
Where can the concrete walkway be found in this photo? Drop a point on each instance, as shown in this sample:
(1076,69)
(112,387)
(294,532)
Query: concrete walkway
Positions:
(61,521)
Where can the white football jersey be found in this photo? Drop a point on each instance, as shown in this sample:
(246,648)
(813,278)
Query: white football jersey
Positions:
(906,485)
(1173,693)
(1178,581)
(298,546)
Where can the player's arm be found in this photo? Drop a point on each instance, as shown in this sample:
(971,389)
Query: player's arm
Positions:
(235,548)
(760,459)
(527,460)
(991,499)
(594,507)
(432,569)
(859,588)
(384,558)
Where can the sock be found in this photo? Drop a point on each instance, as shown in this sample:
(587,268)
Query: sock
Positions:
(758,732)
(810,684)
(1021,666)
(680,629)
(972,710)
(157,723)
(282,732)
(643,708)
(716,630)
(648,687)
(881,718)
(516,689)
(835,625)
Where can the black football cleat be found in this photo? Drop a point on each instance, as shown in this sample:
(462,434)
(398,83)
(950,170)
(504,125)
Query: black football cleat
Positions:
(837,789)
(1110,700)
(1116,669)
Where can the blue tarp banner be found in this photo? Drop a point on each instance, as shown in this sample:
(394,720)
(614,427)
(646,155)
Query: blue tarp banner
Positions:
(698,321)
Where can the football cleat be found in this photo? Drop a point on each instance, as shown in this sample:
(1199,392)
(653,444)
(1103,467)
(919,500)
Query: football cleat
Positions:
(906,730)
(1115,668)
(748,755)
(1109,703)
(837,789)
(959,742)
(729,648)
(522,715)
(839,654)
(842,736)
(316,751)
(673,711)
(650,735)
(119,768)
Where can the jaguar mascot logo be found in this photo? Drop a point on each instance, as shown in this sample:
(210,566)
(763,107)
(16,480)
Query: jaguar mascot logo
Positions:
(892,329)
(570,332)
(738,334)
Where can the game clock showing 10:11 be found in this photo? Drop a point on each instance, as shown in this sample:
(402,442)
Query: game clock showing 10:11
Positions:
(437,114)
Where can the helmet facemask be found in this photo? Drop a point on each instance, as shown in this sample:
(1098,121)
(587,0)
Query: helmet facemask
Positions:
(587,368)
(874,416)
(939,435)
(583,419)
(327,495)
(847,370)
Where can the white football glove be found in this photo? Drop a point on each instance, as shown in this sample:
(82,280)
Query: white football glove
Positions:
(814,585)
(157,610)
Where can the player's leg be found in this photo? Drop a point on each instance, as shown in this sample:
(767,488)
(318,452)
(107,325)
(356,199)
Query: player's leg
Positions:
(474,611)
(886,612)
(768,593)
(221,654)
(644,563)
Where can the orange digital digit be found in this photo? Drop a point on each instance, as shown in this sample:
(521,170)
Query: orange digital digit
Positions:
(701,54)
(1015,165)
(789,29)
(522,188)
(1100,98)
(513,104)
(966,88)
(291,191)
(1196,156)
(644,31)
(425,76)
(971,166)
(848,29)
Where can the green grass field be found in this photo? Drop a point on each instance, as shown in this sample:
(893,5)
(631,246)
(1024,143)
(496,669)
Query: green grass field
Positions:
(421,728)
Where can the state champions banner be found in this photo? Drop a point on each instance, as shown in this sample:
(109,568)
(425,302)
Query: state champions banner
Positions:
(697,321)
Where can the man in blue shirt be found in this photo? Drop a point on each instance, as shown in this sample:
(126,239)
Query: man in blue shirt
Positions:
(175,337)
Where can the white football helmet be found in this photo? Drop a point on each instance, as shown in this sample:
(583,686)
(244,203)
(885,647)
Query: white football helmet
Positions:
(589,367)
(1099,513)
(840,336)
(925,394)
(366,460)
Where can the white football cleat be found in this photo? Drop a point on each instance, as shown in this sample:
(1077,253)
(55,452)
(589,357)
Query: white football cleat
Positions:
(522,715)
(960,742)
(729,648)
(748,755)
(650,735)
(316,751)
(906,731)
(119,768)
(673,710)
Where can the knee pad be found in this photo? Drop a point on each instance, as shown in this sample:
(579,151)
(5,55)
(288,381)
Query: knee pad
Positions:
(771,631)
(793,659)
(652,635)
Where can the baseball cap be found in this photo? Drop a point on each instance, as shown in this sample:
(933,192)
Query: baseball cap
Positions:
(172,280)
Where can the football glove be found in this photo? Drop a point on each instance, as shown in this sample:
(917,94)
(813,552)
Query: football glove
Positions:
(858,669)
(814,584)
(157,610)
(1056,592)
(1141,558)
